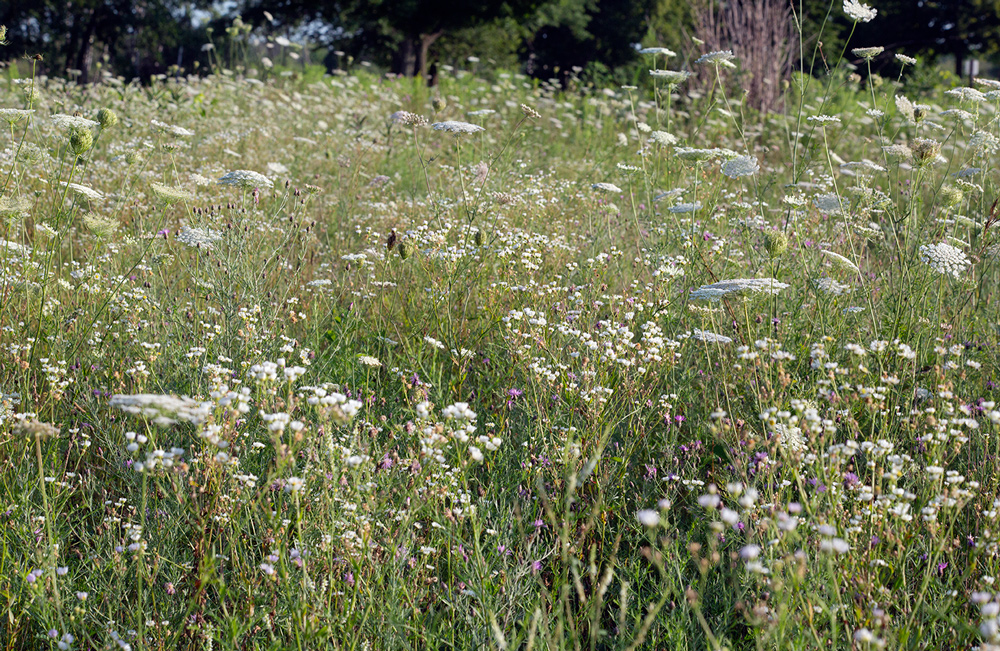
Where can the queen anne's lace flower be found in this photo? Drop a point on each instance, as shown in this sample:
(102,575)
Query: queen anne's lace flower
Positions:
(944,258)
(840,261)
(720,58)
(741,166)
(84,191)
(454,126)
(738,286)
(710,337)
(607,187)
(670,76)
(64,121)
(658,50)
(858,12)
(246,179)
(202,238)
(868,53)
(12,115)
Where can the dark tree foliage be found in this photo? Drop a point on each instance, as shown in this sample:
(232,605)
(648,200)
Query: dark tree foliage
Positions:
(613,28)
(398,32)
(136,37)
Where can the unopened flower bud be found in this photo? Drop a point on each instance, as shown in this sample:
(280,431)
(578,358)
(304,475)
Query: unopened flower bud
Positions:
(776,243)
(438,104)
(107,118)
(81,140)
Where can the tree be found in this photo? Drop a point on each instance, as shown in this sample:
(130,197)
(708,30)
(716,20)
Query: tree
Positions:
(134,35)
(406,27)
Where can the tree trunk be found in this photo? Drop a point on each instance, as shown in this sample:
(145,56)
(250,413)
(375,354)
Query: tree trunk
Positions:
(84,55)
(426,40)
(406,57)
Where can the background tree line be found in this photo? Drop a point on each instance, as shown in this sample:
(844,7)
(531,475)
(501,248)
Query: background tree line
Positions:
(546,38)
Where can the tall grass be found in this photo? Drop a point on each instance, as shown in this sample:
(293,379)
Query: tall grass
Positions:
(647,370)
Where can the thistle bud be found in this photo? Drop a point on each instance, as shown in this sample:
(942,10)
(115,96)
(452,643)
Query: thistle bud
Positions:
(107,118)
(404,251)
(776,243)
(81,140)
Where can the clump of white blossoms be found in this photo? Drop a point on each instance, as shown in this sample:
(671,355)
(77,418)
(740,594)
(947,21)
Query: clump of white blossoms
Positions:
(168,194)
(607,187)
(840,261)
(738,286)
(720,58)
(670,76)
(246,179)
(84,191)
(710,337)
(64,121)
(454,126)
(858,12)
(12,115)
(658,50)
(200,238)
(409,119)
(163,409)
(944,259)
(172,129)
(868,53)
(831,287)
(741,166)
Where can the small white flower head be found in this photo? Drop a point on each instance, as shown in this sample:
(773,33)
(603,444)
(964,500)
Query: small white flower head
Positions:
(607,187)
(738,286)
(711,338)
(84,191)
(663,138)
(720,58)
(672,77)
(840,261)
(859,13)
(409,119)
(12,115)
(944,259)
(456,127)
(530,112)
(658,50)
(172,129)
(648,517)
(823,120)
(740,166)
(70,122)
(868,53)
(246,179)
(294,484)
(168,194)
(750,552)
(905,60)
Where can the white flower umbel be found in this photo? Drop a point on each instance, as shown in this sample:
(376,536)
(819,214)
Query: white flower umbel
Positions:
(710,337)
(738,286)
(741,166)
(858,12)
(246,179)
(720,58)
(64,121)
(607,187)
(454,126)
(163,409)
(198,238)
(84,191)
(670,76)
(944,259)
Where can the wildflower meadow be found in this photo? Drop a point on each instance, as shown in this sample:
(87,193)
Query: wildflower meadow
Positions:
(352,362)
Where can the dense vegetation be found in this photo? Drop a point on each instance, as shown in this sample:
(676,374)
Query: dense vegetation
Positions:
(351,362)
